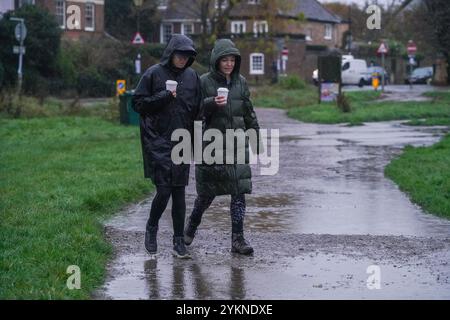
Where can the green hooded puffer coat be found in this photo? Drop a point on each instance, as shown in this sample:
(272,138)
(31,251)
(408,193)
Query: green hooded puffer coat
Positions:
(223,179)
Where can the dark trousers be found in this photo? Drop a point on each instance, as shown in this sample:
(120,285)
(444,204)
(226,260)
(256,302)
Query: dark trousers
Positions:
(159,204)
(237,210)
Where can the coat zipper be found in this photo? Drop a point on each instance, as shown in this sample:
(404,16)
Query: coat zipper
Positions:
(234,171)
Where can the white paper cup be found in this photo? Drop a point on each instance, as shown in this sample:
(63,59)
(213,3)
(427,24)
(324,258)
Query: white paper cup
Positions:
(223,92)
(171,85)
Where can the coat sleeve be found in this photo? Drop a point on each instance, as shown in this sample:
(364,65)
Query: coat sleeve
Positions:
(208,104)
(199,100)
(147,102)
(250,120)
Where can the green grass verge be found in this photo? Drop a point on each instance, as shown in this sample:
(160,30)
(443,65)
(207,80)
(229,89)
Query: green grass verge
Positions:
(424,174)
(60,177)
(302,105)
(369,111)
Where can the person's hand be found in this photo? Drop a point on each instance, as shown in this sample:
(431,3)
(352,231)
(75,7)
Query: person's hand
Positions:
(220,101)
(174,93)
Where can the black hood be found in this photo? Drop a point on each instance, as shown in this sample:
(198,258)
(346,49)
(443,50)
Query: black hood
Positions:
(178,42)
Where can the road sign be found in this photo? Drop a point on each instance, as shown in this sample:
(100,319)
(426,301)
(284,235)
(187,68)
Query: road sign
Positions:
(284,57)
(19,50)
(137,64)
(20,32)
(383,49)
(411,48)
(138,39)
(121,87)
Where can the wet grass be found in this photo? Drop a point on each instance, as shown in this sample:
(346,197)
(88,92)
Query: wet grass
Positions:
(303,105)
(60,177)
(369,111)
(424,174)
(278,97)
(25,107)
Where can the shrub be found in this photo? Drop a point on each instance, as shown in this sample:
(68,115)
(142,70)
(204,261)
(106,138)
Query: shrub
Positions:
(2,72)
(343,103)
(292,82)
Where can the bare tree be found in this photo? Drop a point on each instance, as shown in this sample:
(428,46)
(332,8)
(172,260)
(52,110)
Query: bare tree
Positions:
(213,15)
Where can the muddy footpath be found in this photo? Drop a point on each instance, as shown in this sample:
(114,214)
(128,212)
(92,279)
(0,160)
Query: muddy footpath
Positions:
(329,225)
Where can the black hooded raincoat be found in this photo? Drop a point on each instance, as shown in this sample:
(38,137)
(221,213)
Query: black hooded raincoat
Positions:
(161,113)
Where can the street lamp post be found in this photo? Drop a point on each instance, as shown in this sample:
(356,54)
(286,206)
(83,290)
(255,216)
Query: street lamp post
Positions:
(20,33)
(350,36)
(138,4)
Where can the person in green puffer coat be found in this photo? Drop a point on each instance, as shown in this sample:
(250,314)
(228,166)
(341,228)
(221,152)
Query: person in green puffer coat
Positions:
(235,112)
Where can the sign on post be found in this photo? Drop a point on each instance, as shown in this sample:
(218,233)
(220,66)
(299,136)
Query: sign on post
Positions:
(411,48)
(330,77)
(137,39)
(383,50)
(19,50)
(137,64)
(285,54)
(121,87)
(20,32)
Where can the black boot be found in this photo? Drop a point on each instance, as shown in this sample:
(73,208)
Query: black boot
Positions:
(189,233)
(240,245)
(150,239)
(179,249)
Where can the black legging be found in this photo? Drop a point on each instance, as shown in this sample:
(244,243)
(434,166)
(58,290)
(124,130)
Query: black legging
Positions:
(159,204)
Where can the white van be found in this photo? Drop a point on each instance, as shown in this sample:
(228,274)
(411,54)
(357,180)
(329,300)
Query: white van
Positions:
(354,71)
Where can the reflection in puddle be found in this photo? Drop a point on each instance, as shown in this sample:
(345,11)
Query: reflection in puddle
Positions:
(307,276)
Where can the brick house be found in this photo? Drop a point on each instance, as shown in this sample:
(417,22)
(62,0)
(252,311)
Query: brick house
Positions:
(264,34)
(76,17)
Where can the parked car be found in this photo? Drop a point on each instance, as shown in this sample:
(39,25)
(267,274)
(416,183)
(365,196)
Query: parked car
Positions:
(420,76)
(376,69)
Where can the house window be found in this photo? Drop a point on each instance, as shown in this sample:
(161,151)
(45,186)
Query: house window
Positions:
(60,9)
(260,27)
(238,27)
(187,28)
(162,4)
(24,2)
(328,31)
(223,4)
(166,32)
(257,63)
(308,34)
(89,17)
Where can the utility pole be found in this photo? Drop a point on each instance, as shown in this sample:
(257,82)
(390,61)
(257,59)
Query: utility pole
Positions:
(350,36)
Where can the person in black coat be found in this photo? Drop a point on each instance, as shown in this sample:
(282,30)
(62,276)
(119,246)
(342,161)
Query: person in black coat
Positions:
(161,113)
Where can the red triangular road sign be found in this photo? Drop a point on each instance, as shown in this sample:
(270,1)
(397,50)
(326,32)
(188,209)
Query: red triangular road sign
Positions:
(138,39)
(383,48)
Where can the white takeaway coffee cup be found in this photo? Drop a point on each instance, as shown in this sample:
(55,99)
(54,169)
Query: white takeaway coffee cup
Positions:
(223,92)
(171,85)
